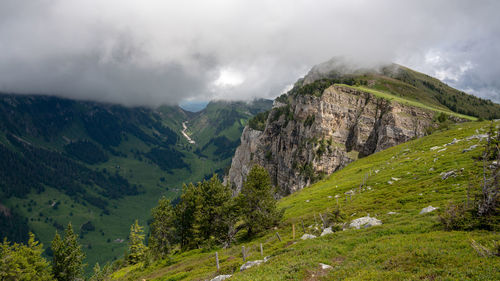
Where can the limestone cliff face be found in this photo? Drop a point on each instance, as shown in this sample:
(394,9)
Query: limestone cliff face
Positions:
(310,135)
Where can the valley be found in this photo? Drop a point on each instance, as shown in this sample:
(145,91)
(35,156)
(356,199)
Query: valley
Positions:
(133,156)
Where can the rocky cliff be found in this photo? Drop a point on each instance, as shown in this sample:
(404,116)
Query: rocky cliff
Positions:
(310,135)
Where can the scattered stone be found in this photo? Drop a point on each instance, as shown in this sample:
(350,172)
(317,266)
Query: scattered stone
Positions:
(307,201)
(325,266)
(421,194)
(350,192)
(435,147)
(478,136)
(376,171)
(369,187)
(365,222)
(441,150)
(445,175)
(390,182)
(329,197)
(428,210)
(395,179)
(431,169)
(249,264)
(392,213)
(435,159)
(470,148)
(221,277)
(307,236)
(327,231)
(454,141)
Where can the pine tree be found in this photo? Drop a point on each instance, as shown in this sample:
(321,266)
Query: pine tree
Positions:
(23,262)
(136,248)
(162,228)
(257,203)
(67,263)
(216,200)
(189,217)
(101,274)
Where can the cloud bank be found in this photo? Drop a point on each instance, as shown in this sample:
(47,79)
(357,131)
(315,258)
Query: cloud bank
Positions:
(163,52)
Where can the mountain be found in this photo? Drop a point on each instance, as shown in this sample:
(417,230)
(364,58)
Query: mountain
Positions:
(393,186)
(337,114)
(101,166)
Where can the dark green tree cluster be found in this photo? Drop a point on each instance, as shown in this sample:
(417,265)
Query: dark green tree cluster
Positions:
(208,214)
(67,262)
(26,262)
(23,262)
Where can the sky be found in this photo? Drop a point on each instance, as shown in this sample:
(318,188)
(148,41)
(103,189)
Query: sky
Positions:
(152,52)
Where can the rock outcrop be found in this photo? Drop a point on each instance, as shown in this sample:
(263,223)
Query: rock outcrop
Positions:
(307,136)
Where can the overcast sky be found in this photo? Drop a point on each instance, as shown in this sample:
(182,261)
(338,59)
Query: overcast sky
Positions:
(154,52)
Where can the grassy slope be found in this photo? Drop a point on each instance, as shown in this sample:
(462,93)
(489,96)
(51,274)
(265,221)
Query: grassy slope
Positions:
(409,101)
(406,246)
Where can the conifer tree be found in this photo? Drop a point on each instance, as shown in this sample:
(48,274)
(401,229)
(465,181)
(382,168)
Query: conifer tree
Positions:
(67,263)
(162,228)
(216,200)
(136,248)
(23,262)
(189,217)
(101,274)
(257,202)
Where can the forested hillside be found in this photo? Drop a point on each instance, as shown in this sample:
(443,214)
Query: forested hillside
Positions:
(96,165)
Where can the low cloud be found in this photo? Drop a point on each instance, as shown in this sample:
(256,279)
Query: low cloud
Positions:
(155,52)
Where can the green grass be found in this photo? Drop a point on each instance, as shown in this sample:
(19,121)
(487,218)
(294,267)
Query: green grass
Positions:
(407,246)
(407,101)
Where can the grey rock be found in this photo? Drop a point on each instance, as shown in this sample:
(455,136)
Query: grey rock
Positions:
(221,277)
(445,175)
(325,266)
(327,231)
(428,210)
(470,148)
(250,264)
(478,136)
(307,236)
(392,213)
(364,222)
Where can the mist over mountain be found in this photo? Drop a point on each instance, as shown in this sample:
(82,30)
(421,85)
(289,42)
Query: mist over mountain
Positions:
(138,53)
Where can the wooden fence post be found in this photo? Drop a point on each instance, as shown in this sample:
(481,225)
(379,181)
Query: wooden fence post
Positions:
(261,250)
(217,260)
(303,228)
(243,252)
(278,235)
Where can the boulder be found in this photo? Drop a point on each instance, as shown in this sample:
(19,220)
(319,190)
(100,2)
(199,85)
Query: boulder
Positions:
(307,236)
(249,264)
(325,266)
(364,222)
(428,210)
(221,277)
(445,175)
(326,231)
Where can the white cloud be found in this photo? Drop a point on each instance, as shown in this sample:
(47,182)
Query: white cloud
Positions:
(157,51)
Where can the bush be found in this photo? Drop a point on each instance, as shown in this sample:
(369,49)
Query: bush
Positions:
(258,122)
(456,217)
